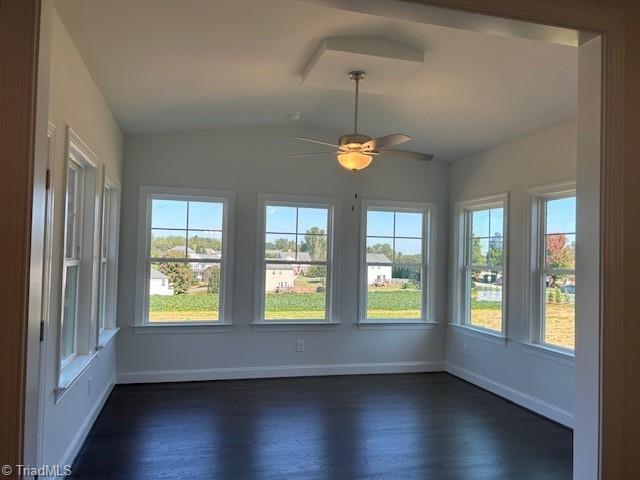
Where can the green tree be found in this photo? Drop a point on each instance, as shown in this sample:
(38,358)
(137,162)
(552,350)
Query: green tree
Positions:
(494,254)
(477,257)
(180,275)
(315,243)
(213,279)
(383,248)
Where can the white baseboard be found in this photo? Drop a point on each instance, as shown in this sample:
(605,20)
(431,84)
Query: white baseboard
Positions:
(73,449)
(277,371)
(523,399)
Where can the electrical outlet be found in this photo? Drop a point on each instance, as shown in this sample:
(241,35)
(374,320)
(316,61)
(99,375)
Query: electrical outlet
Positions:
(465,349)
(300,346)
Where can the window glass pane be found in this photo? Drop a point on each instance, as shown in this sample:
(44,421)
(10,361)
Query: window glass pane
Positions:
(479,251)
(560,251)
(486,299)
(69,312)
(103,295)
(480,223)
(168,243)
(561,215)
(71,214)
(168,214)
(409,224)
(496,222)
(408,250)
(380,246)
(312,248)
(312,220)
(205,244)
(177,294)
(280,246)
(295,292)
(379,224)
(281,219)
(560,310)
(106,221)
(394,292)
(205,215)
(494,252)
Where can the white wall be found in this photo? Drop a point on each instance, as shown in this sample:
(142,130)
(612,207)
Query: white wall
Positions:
(541,382)
(249,161)
(74,100)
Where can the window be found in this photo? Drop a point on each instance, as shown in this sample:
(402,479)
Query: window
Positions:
(553,263)
(295,259)
(394,261)
(482,257)
(72,258)
(108,257)
(78,322)
(185,254)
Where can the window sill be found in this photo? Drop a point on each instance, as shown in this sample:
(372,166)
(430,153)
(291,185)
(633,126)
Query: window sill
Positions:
(396,325)
(486,335)
(291,326)
(106,336)
(71,372)
(558,355)
(179,328)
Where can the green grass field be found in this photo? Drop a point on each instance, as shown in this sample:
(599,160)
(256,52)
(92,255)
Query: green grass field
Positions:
(201,307)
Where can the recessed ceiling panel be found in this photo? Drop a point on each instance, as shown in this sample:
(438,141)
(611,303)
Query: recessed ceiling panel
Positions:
(385,63)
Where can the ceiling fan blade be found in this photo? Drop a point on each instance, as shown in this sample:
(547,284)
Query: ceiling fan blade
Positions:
(313,140)
(386,141)
(301,155)
(425,157)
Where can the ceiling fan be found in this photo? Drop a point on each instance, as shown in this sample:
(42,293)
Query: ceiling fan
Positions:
(356,151)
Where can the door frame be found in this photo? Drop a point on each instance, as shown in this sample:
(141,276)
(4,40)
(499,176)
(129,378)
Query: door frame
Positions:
(617,21)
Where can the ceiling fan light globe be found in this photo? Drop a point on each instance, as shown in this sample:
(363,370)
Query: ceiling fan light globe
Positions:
(354,160)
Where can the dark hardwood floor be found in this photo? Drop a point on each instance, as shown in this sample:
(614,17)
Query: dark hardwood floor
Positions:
(414,426)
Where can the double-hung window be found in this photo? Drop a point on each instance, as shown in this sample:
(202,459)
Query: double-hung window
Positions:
(394,263)
(553,261)
(72,258)
(482,256)
(184,256)
(78,322)
(108,256)
(296,257)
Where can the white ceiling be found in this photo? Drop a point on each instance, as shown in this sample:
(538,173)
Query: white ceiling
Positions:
(166,65)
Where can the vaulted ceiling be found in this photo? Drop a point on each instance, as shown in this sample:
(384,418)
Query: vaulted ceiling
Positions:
(166,65)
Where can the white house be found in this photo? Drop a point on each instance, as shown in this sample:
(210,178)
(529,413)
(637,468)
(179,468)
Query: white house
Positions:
(279,277)
(378,274)
(159,283)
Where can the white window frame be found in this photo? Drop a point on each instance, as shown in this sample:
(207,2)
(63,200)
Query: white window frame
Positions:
(78,155)
(428,283)
(536,271)
(462,267)
(108,258)
(147,194)
(332,263)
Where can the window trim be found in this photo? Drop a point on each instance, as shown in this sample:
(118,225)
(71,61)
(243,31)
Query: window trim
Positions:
(460,317)
(79,153)
(146,194)
(429,239)
(332,288)
(535,198)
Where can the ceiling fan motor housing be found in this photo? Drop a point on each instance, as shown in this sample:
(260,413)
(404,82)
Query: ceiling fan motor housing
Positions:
(353,141)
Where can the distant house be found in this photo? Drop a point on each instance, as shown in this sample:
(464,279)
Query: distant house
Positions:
(200,267)
(159,283)
(378,274)
(279,277)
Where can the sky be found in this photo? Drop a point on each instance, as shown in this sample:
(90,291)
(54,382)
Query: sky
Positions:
(173,214)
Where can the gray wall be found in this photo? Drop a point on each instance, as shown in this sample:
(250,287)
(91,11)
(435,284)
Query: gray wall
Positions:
(249,161)
(542,382)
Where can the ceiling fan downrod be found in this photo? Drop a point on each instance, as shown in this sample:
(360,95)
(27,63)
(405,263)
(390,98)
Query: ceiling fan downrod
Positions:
(356,76)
